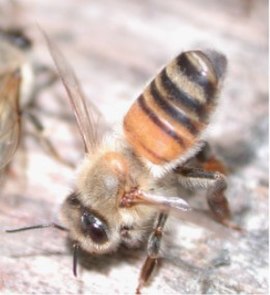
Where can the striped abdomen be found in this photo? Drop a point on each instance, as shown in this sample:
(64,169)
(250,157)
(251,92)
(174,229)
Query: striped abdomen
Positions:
(166,120)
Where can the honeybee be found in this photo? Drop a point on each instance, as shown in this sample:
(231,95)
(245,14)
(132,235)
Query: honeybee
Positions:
(130,180)
(18,91)
(16,84)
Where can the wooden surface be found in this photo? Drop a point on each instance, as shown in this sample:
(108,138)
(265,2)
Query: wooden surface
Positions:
(116,47)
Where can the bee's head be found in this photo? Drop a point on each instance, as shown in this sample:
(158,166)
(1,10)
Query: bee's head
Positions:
(90,228)
(92,214)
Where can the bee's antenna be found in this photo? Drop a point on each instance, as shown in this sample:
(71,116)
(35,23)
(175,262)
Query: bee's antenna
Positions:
(36,227)
(76,247)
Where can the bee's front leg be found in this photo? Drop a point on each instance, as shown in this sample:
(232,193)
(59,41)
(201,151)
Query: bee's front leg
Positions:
(153,248)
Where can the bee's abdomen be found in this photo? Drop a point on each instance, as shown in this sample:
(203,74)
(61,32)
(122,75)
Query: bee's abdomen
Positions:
(166,120)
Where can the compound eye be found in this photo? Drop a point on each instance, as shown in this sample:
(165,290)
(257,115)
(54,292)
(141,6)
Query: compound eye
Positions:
(94,227)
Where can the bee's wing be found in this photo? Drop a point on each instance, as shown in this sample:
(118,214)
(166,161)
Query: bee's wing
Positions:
(87,119)
(9,116)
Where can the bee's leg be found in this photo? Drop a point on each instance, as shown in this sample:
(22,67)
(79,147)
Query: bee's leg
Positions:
(45,141)
(215,183)
(22,159)
(207,160)
(153,248)
(46,78)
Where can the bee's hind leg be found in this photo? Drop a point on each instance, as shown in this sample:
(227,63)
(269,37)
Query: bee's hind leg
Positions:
(215,183)
(206,159)
(44,140)
(46,77)
(153,248)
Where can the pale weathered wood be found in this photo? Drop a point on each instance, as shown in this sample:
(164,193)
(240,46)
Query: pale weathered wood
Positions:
(116,47)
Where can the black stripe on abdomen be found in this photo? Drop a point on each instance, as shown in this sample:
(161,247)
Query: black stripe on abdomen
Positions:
(197,74)
(171,111)
(177,95)
(156,120)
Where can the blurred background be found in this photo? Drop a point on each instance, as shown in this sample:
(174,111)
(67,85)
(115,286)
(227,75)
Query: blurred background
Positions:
(116,47)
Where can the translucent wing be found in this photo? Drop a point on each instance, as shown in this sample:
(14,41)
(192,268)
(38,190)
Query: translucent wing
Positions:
(9,116)
(87,119)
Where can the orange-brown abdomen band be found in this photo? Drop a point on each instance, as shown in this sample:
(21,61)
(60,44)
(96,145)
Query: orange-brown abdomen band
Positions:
(166,120)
